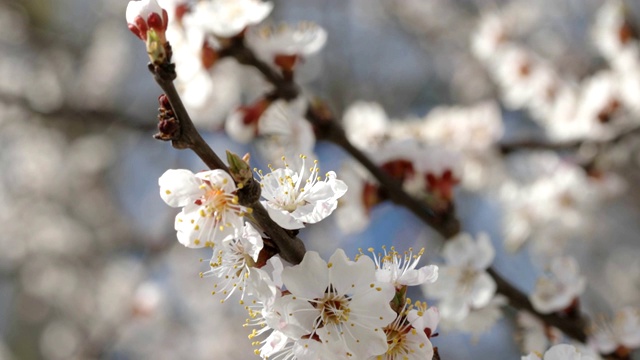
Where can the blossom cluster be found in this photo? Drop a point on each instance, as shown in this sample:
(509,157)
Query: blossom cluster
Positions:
(358,308)
(595,108)
(316,309)
(201,32)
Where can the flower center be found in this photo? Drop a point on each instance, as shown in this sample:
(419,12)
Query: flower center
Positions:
(334,309)
(215,202)
(396,342)
(467,278)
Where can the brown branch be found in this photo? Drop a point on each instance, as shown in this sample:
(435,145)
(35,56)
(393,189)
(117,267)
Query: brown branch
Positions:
(532,144)
(187,136)
(447,224)
(573,327)
(510,147)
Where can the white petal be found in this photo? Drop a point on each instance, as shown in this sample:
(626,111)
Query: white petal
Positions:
(276,264)
(299,316)
(275,342)
(252,241)
(454,308)
(370,306)
(346,275)
(531,356)
(141,8)
(179,187)
(186,233)
(484,252)
(309,279)
(424,275)
(483,290)
(563,352)
(219,178)
(282,217)
(315,212)
(237,129)
(365,342)
(459,250)
(447,284)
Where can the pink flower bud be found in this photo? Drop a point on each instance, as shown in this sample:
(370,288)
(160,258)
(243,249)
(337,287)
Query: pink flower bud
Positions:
(144,15)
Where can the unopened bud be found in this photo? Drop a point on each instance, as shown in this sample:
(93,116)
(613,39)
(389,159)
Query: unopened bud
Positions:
(164,103)
(239,169)
(155,48)
(148,21)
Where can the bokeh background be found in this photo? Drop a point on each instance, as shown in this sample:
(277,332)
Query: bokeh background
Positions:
(89,264)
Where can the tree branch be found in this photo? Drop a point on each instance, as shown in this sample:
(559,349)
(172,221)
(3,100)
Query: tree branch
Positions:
(573,327)
(447,224)
(290,247)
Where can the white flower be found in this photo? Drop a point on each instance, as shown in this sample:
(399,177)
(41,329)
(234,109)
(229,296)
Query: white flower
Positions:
(474,128)
(145,15)
(400,270)
(611,32)
(227,18)
(340,302)
(295,198)
(207,106)
(561,288)
(489,37)
(352,214)
(210,208)
(559,352)
(232,264)
(463,283)
(365,124)
(534,335)
(424,319)
(599,106)
(405,340)
(303,40)
(242,124)
(284,131)
(514,71)
(623,333)
(265,315)
(478,320)
(428,173)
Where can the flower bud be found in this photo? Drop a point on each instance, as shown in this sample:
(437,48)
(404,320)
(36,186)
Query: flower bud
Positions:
(239,168)
(148,21)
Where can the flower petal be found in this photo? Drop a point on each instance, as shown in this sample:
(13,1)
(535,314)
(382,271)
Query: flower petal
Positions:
(346,275)
(179,187)
(309,279)
(483,290)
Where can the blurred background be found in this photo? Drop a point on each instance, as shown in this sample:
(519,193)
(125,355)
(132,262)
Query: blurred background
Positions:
(89,263)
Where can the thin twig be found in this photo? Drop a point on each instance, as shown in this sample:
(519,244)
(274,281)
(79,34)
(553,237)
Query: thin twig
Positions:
(532,144)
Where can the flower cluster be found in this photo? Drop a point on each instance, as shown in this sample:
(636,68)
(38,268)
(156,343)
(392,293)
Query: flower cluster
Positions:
(560,352)
(594,108)
(359,308)
(465,291)
(339,309)
(561,289)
